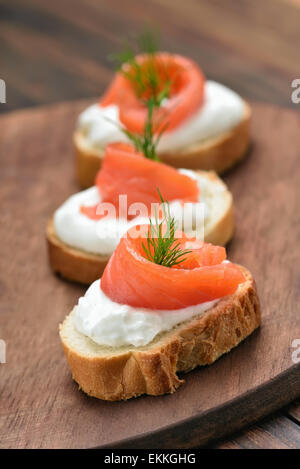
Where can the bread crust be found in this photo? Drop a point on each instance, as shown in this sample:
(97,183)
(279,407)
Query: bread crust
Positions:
(217,154)
(71,263)
(79,266)
(153,369)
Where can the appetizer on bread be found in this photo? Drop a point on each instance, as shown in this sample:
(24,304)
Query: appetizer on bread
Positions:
(166,303)
(206,125)
(82,235)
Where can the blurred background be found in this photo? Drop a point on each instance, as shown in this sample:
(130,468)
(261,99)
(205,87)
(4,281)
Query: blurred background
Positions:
(58,50)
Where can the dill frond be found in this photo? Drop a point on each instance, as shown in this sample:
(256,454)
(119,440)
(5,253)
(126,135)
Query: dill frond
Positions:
(145,78)
(161,247)
(149,88)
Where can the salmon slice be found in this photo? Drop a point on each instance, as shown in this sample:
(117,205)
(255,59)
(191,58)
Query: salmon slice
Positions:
(185,98)
(129,278)
(125,171)
(202,254)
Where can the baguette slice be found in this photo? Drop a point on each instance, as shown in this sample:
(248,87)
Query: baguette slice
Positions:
(121,373)
(80,266)
(218,154)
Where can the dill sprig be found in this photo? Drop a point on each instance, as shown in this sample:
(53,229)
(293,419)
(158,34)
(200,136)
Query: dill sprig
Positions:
(148,141)
(149,88)
(161,247)
(148,42)
(145,77)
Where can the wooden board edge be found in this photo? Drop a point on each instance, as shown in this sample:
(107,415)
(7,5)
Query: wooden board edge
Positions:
(223,420)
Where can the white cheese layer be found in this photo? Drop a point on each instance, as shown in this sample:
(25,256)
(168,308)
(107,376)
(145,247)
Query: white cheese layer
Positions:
(222,110)
(102,236)
(112,324)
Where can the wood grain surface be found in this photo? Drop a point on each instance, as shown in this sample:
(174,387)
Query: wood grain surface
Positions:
(40,405)
(58,50)
(277,432)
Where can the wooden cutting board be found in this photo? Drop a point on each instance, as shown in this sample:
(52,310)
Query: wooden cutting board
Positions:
(40,405)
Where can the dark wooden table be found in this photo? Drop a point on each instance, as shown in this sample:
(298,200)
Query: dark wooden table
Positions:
(56,51)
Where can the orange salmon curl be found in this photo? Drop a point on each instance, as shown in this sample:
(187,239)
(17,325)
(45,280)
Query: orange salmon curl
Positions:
(185,98)
(130,278)
(126,171)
